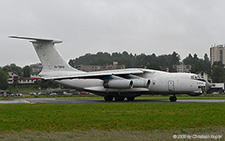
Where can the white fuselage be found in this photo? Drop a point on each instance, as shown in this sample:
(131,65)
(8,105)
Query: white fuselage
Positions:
(161,83)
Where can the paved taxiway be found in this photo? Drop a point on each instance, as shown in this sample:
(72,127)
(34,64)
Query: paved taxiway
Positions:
(58,100)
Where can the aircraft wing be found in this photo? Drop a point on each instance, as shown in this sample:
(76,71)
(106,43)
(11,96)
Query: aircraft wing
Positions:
(96,74)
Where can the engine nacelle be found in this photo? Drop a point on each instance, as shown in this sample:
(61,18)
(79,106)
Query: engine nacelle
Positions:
(118,84)
(141,83)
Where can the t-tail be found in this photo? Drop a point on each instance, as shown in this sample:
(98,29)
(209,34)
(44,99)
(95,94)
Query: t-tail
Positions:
(50,58)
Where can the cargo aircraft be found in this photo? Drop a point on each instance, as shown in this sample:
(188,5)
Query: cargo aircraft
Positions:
(114,84)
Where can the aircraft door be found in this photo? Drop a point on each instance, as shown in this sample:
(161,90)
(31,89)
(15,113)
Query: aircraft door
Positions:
(171,85)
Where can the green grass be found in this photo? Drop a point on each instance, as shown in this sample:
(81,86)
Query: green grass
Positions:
(111,116)
(25,89)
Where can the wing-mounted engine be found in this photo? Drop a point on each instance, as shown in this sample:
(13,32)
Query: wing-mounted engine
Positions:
(118,84)
(126,82)
(139,82)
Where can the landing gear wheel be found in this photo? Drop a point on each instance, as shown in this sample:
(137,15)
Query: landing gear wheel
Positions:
(119,98)
(130,98)
(173,98)
(108,98)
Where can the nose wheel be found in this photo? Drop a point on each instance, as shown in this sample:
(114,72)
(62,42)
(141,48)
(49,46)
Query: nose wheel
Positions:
(173,98)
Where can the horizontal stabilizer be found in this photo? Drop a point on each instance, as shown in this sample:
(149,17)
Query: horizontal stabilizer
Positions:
(36,39)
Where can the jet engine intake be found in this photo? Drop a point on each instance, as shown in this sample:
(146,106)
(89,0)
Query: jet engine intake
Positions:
(118,84)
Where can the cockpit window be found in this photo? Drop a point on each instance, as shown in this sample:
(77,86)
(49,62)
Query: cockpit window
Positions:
(195,77)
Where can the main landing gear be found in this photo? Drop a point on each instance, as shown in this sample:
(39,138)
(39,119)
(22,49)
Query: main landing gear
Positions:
(173,98)
(108,98)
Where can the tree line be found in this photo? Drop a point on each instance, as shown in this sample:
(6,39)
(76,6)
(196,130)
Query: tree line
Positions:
(129,60)
(24,72)
(148,61)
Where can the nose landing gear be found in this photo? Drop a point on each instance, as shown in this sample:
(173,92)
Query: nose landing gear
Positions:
(173,98)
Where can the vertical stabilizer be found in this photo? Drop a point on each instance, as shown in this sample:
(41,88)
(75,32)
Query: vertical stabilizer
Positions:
(50,58)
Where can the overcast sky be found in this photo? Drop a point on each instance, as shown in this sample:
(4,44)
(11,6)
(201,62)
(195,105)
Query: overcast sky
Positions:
(90,26)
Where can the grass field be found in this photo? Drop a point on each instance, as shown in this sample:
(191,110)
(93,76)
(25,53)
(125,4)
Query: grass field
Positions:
(108,116)
(110,120)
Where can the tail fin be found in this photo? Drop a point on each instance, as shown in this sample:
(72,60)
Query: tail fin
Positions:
(50,58)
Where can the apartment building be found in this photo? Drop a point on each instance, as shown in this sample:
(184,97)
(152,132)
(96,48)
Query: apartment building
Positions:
(217,53)
(182,68)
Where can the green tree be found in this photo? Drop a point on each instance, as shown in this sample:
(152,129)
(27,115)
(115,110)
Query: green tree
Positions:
(207,64)
(3,80)
(153,65)
(26,71)
(218,64)
(13,67)
(197,64)
(188,60)
(175,59)
(218,74)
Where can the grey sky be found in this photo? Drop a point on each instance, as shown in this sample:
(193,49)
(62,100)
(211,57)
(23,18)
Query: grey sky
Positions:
(90,26)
